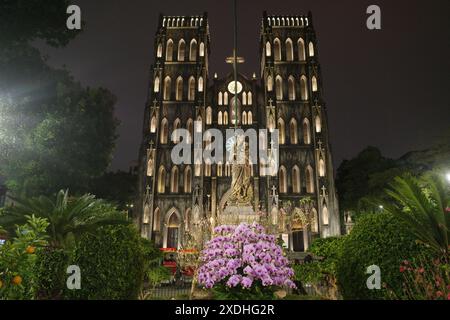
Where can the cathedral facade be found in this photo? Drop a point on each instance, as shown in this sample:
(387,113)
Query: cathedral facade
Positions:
(175,199)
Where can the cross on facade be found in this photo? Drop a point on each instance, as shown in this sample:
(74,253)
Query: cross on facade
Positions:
(151,144)
(274,191)
(270,102)
(324,191)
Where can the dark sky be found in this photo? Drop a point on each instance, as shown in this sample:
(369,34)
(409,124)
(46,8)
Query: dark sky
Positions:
(388,88)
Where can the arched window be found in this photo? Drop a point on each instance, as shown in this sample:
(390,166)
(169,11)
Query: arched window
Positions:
(268,49)
(209,115)
(249,98)
(277,49)
(301,50)
(159,51)
(187,219)
(161,180)
(219,169)
(164,131)
(282,180)
(309,180)
(202,49)
(314,222)
(198,169)
(244,98)
(167,88)
(200,84)
(220,98)
(193,50)
(187,179)
(306,132)
(157,220)
(225,98)
(169,50)
(304,88)
(156,85)
(179,92)
(325,216)
(318,124)
(311,49)
(279,87)
(282,131)
(219,118)
(208,168)
(153,124)
(269,83)
(293,131)
(295,179)
(199,124)
(244,117)
(181,50)
(190,129)
(225,117)
(291,88)
(191,92)
(314,84)
(176,125)
(289,50)
(174,180)
(249,117)
(321,168)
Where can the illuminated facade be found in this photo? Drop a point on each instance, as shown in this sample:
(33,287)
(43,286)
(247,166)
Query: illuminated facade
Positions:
(286,95)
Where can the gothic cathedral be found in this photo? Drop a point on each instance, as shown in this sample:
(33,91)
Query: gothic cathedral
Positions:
(175,199)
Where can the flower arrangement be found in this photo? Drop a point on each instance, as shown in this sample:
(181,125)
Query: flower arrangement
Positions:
(243,262)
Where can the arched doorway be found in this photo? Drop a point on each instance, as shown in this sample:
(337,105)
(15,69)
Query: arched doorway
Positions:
(172,234)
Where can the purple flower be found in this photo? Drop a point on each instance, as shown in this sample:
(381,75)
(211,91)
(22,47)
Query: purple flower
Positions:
(234,281)
(246,282)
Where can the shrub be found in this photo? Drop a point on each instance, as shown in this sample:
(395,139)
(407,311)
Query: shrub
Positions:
(111,263)
(18,257)
(377,239)
(321,272)
(50,271)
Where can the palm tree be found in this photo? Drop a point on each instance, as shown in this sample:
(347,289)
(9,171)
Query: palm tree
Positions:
(68,217)
(424,204)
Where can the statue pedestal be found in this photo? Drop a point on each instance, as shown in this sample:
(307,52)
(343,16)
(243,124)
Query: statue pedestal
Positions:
(235,215)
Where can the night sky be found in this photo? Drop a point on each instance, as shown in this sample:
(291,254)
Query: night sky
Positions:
(387,88)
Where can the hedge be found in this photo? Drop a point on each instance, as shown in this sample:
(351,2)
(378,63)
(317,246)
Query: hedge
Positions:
(111,263)
(376,239)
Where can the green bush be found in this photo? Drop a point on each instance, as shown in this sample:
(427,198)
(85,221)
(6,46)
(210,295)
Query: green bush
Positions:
(111,263)
(50,271)
(376,239)
(326,252)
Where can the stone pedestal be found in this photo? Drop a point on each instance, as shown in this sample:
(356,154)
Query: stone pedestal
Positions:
(235,215)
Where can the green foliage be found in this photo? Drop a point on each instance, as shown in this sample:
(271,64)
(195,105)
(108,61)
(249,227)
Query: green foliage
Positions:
(354,176)
(118,187)
(112,263)
(326,252)
(17,259)
(376,239)
(54,133)
(68,217)
(50,272)
(45,19)
(423,204)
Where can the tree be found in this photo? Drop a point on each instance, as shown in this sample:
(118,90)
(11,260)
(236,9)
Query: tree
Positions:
(118,187)
(355,179)
(54,133)
(68,218)
(423,205)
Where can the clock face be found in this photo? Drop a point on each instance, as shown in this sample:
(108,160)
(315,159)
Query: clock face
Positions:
(232,89)
(230,144)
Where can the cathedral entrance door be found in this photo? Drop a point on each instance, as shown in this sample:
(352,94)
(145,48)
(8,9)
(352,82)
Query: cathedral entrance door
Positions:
(172,237)
(297,241)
